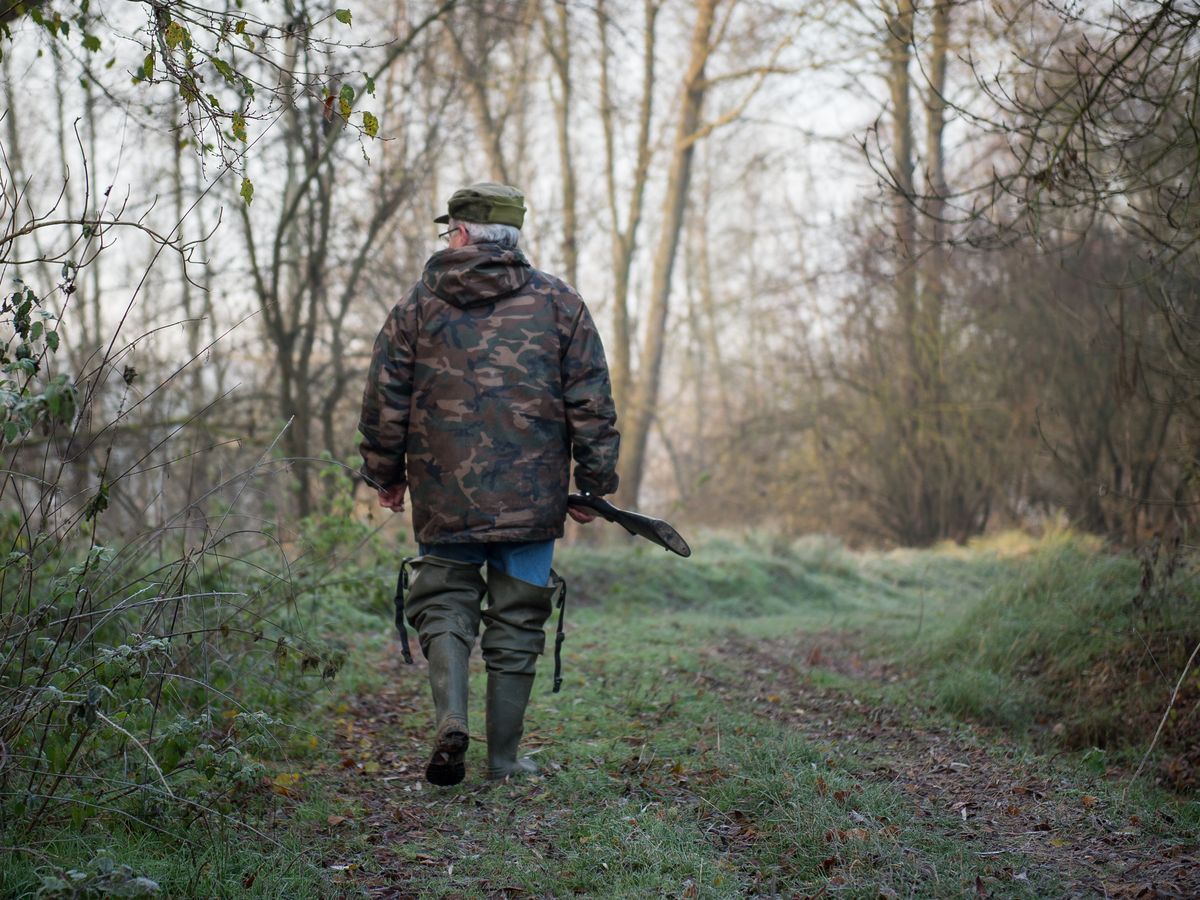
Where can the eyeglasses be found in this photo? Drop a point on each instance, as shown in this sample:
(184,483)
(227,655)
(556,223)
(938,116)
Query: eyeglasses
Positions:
(445,235)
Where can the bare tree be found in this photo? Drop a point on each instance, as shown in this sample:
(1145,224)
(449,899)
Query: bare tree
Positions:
(710,28)
(626,223)
(306,266)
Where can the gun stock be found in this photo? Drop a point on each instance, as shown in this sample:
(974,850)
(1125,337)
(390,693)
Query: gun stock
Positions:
(637,524)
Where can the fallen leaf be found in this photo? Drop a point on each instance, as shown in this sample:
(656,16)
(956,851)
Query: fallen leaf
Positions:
(283,783)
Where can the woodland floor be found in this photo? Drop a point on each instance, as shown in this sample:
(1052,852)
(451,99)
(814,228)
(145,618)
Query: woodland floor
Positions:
(1003,801)
(953,797)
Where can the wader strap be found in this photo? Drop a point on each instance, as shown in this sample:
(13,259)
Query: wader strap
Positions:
(559,635)
(401,593)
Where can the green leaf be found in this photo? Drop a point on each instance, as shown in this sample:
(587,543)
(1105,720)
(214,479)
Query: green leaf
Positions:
(10,431)
(187,89)
(370,85)
(344,107)
(239,127)
(97,504)
(370,124)
(52,341)
(148,66)
(347,93)
(176,35)
(240,28)
(224,68)
(91,43)
(342,15)
(247,191)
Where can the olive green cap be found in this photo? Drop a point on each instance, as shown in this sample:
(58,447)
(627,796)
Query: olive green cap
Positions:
(487,203)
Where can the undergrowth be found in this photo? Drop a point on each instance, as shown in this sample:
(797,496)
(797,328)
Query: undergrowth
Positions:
(149,701)
(1082,645)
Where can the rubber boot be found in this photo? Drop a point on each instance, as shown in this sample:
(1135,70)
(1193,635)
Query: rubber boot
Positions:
(448,657)
(507,697)
(513,638)
(443,605)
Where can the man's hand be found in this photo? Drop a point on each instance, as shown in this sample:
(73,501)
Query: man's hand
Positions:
(580,515)
(393,497)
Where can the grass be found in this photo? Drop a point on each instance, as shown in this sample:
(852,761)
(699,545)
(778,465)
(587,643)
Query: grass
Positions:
(1069,643)
(660,783)
(659,786)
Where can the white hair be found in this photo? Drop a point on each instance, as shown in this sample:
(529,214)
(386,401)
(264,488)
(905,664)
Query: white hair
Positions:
(479,233)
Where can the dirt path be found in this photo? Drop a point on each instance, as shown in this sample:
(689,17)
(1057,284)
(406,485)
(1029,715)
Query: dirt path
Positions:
(382,740)
(1002,804)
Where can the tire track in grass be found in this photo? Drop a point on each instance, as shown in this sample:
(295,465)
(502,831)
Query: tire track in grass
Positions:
(1006,804)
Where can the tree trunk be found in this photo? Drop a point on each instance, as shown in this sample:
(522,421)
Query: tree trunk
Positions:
(624,238)
(645,397)
(557,36)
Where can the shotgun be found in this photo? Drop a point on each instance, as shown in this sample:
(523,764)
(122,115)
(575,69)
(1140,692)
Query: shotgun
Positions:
(637,524)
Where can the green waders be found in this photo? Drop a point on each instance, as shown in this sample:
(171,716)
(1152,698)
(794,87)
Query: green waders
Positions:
(513,638)
(443,605)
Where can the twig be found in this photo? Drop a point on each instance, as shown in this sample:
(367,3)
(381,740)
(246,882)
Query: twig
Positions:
(141,747)
(1162,721)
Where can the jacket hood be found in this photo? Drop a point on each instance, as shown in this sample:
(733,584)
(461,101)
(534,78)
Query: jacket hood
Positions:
(477,274)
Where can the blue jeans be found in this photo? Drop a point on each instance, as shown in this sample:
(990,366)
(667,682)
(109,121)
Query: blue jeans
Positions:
(527,560)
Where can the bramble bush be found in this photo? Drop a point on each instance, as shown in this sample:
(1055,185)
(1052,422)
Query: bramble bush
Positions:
(138,690)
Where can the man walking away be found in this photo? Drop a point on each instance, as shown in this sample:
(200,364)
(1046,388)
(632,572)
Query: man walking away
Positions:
(487,378)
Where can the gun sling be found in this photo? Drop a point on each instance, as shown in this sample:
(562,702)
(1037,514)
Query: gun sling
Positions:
(401,593)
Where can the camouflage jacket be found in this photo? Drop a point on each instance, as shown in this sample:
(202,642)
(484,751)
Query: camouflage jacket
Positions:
(486,378)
